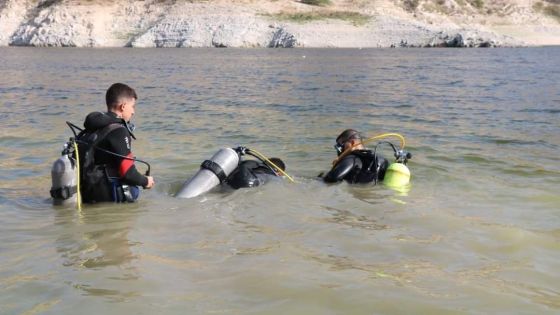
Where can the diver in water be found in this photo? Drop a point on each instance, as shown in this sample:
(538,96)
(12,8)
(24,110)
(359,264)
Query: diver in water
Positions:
(355,163)
(226,167)
(106,144)
(253,173)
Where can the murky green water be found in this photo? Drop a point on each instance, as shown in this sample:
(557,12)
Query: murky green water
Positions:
(478,232)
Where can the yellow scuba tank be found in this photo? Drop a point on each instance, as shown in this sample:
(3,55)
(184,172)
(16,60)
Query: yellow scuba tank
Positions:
(397,175)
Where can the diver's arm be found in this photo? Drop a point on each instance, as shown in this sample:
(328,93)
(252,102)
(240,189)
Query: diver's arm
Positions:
(341,169)
(120,143)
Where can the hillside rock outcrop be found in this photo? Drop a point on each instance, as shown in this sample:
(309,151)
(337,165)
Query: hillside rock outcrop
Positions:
(247,23)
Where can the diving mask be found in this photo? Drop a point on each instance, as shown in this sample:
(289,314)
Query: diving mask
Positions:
(339,146)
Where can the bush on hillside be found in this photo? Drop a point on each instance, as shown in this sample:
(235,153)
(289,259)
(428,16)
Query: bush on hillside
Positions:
(317,2)
(553,11)
(411,5)
(357,19)
(47,3)
(476,3)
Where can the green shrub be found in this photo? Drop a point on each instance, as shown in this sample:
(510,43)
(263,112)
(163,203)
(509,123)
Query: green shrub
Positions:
(317,2)
(411,5)
(355,18)
(538,6)
(476,3)
(553,11)
(47,3)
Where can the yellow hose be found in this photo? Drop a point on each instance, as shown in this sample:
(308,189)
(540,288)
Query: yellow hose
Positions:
(79,196)
(276,166)
(381,136)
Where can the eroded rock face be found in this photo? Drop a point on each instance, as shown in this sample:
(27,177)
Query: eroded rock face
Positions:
(157,23)
(55,27)
(282,38)
(205,31)
(471,39)
(12,15)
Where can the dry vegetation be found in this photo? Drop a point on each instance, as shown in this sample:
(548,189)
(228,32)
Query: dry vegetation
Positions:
(349,10)
(355,18)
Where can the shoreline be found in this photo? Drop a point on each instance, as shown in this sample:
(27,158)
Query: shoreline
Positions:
(269,48)
(272,24)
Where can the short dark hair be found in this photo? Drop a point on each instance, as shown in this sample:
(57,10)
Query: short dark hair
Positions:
(347,135)
(118,91)
(278,163)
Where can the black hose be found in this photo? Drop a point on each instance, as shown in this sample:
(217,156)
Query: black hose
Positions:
(73,128)
(386,142)
(121,156)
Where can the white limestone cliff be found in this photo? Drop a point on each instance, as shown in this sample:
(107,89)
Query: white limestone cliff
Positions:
(248,23)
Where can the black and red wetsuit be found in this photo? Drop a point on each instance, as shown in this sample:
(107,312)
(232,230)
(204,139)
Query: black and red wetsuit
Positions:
(119,141)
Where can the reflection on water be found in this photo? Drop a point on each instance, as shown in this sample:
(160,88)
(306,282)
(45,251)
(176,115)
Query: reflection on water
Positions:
(97,239)
(476,230)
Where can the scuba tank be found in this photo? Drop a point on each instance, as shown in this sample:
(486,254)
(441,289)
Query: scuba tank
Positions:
(398,174)
(212,172)
(63,176)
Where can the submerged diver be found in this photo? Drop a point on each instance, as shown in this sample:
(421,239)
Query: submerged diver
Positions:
(252,173)
(226,167)
(106,143)
(357,165)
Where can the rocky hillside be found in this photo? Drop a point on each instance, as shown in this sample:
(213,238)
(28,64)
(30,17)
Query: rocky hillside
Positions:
(279,23)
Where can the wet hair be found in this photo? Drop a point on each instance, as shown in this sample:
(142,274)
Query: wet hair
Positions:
(117,92)
(347,135)
(278,163)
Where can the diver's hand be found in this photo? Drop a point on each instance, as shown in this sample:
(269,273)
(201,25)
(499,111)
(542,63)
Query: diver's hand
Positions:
(151,182)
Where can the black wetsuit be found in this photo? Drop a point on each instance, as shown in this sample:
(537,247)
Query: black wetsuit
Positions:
(360,166)
(249,173)
(118,170)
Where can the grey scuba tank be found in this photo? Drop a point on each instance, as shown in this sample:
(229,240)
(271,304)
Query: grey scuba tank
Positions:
(212,172)
(63,176)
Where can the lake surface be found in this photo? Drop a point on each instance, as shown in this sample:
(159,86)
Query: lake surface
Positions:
(477,231)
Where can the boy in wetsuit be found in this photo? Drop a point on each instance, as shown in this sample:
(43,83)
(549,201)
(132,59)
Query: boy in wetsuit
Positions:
(117,178)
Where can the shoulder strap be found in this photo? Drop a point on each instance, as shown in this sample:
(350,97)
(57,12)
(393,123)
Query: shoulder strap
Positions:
(105,131)
(368,159)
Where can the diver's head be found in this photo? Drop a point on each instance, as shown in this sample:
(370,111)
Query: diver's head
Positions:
(278,163)
(349,138)
(121,100)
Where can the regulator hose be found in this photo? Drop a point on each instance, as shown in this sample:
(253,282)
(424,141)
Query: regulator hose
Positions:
(265,160)
(79,196)
(381,136)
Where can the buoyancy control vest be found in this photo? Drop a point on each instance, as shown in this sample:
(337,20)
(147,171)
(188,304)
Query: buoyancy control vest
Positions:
(249,173)
(94,178)
(372,168)
(360,166)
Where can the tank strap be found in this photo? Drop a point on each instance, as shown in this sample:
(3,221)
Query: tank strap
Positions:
(64,192)
(214,168)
